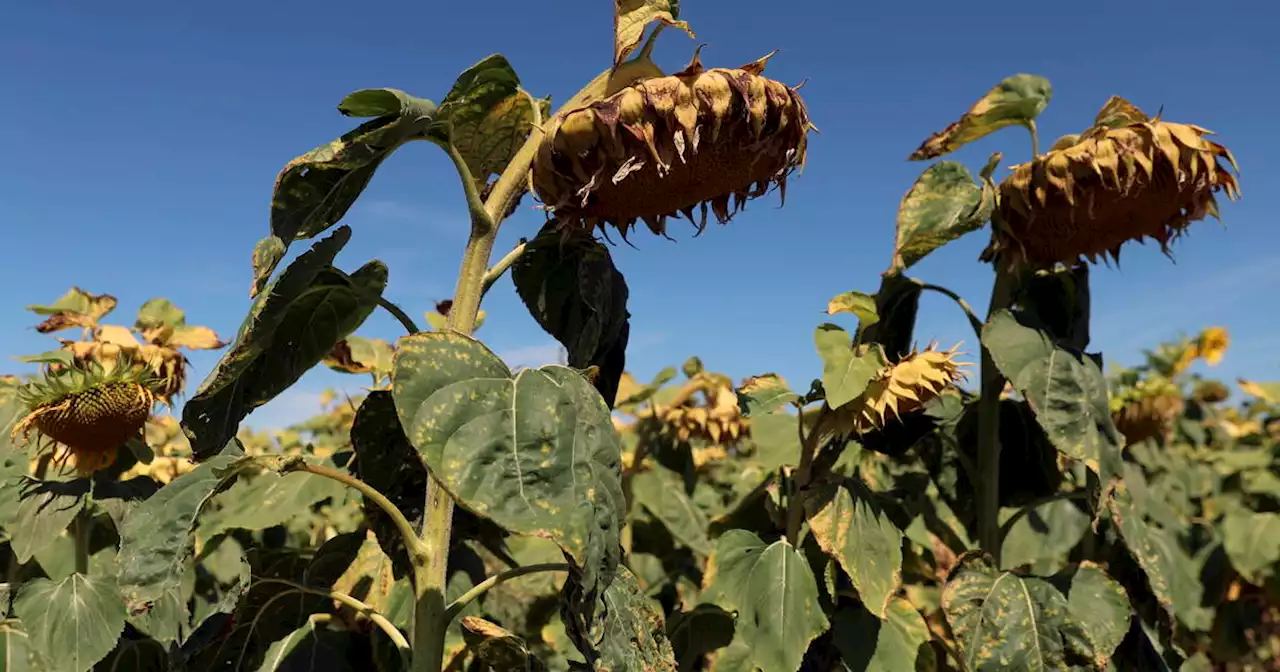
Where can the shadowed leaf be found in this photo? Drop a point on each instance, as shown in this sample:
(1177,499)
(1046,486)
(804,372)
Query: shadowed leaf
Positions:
(899,643)
(390,464)
(943,205)
(661,491)
(267,254)
(635,633)
(1170,572)
(266,500)
(311,648)
(1046,534)
(499,649)
(1015,100)
(850,527)
(897,302)
(15,649)
(698,632)
(72,623)
(46,508)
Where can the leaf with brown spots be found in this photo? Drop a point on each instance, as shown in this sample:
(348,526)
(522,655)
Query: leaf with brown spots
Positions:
(850,526)
(356,354)
(635,633)
(944,204)
(1102,607)
(632,17)
(499,649)
(76,308)
(1015,100)
(773,591)
(1008,623)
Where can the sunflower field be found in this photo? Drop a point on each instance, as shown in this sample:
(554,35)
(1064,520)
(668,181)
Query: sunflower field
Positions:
(909,508)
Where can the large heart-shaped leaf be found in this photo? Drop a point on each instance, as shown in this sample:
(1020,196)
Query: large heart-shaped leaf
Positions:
(944,204)
(289,329)
(898,642)
(1064,387)
(1252,541)
(536,452)
(775,595)
(1102,608)
(1170,571)
(1005,621)
(72,623)
(46,508)
(577,295)
(1015,100)
(850,527)
(266,500)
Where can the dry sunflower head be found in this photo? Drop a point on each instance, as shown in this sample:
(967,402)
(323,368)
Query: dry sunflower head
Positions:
(665,145)
(1147,410)
(1128,177)
(89,410)
(901,388)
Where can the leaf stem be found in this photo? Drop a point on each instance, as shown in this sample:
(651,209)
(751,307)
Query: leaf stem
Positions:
(964,305)
(1035,138)
(1032,506)
(499,269)
(395,311)
(411,542)
(988,483)
(374,615)
(483,587)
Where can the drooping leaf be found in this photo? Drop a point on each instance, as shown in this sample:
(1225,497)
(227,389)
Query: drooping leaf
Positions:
(310,648)
(1046,534)
(633,637)
(632,17)
(846,370)
(863,306)
(1252,541)
(315,190)
(1015,100)
(72,623)
(850,526)
(899,642)
(155,539)
(1060,301)
(266,500)
(499,649)
(79,302)
(1101,606)
(661,491)
(764,393)
(1065,388)
(486,117)
(159,312)
(775,595)
(1004,621)
(46,508)
(1170,572)
(289,329)
(577,295)
(536,453)
(944,204)
(1118,112)
(267,254)
(356,354)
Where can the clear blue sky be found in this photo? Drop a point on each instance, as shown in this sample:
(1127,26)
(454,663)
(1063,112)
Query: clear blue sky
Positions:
(142,139)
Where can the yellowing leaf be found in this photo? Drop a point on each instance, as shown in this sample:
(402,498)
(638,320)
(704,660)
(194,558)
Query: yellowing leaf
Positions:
(195,338)
(94,306)
(632,17)
(1015,100)
(1269,392)
(861,305)
(117,335)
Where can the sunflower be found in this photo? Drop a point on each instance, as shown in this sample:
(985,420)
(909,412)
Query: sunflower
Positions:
(88,409)
(901,389)
(665,145)
(1127,178)
(1147,409)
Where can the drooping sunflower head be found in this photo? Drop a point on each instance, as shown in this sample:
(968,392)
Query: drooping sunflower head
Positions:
(1147,409)
(665,145)
(88,410)
(717,421)
(1129,177)
(903,388)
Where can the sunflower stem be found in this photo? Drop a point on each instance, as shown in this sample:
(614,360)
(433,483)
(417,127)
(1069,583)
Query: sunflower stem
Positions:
(1002,293)
(81,527)
(1035,138)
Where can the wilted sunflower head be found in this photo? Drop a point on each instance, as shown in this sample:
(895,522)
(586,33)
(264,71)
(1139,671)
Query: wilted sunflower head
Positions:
(902,388)
(1146,409)
(665,145)
(90,410)
(717,421)
(1128,177)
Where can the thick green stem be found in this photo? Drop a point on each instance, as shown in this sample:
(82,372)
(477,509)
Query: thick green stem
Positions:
(82,527)
(989,427)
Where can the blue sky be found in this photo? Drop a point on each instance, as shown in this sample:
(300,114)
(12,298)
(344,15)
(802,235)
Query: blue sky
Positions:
(142,140)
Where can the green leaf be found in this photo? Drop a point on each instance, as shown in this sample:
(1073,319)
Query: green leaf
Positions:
(390,464)
(775,595)
(312,647)
(356,354)
(944,204)
(1046,534)
(1252,542)
(632,17)
(46,509)
(266,500)
(15,649)
(635,634)
(1065,388)
(1004,621)
(267,254)
(899,643)
(698,632)
(486,117)
(733,658)
(765,393)
(850,526)
(315,190)
(78,302)
(1015,100)
(536,453)
(1100,605)
(289,329)
(159,312)
(499,649)
(661,491)
(577,295)
(774,440)
(1170,572)
(846,370)
(863,306)
(155,539)
(72,623)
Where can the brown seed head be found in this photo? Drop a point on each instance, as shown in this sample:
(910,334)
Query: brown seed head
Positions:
(1127,178)
(93,423)
(660,147)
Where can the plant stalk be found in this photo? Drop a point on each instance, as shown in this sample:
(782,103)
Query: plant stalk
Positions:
(989,426)
(81,527)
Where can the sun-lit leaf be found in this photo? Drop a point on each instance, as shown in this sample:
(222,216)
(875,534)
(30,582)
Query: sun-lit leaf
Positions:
(775,595)
(850,526)
(267,254)
(1252,541)
(1101,606)
(578,296)
(289,329)
(356,354)
(846,370)
(632,17)
(78,302)
(765,393)
(661,491)
(944,204)
(862,306)
(159,312)
(1005,621)
(899,642)
(1268,392)
(72,623)
(1018,99)
(46,509)
(16,654)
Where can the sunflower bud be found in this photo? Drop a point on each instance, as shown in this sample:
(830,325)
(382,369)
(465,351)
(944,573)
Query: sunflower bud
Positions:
(660,147)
